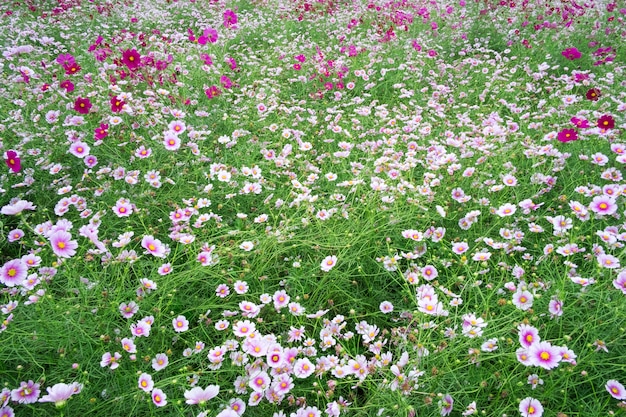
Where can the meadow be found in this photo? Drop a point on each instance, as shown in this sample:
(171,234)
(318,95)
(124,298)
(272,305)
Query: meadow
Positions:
(304,208)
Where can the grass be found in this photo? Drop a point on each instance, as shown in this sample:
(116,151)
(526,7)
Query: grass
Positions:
(337,185)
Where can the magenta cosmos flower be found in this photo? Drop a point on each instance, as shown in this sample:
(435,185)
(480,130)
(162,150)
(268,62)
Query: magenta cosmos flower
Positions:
(567,135)
(616,389)
(62,245)
(545,355)
(13,273)
(198,395)
(13,161)
(571,53)
(530,407)
(131,59)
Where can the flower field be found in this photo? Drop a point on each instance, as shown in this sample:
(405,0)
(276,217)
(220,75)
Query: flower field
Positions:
(303,208)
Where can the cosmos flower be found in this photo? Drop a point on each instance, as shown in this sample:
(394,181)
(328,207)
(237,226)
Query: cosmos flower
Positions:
(616,389)
(131,58)
(198,395)
(530,407)
(571,53)
(13,161)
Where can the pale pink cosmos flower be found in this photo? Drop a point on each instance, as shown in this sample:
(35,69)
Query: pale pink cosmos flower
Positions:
(181,324)
(200,396)
(159,398)
(603,205)
(128,310)
(16,207)
(545,355)
(60,393)
(110,360)
(171,141)
(505,210)
(302,368)
(530,407)
(154,246)
(13,273)
(27,393)
(128,345)
(79,149)
(140,329)
(555,307)
(145,382)
(523,299)
(446,404)
(460,248)
(281,299)
(386,307)
(260,381)
(616,389)
(328,263)
(62,245)
(620,282)
(123,208)
(527,335)
(160,361)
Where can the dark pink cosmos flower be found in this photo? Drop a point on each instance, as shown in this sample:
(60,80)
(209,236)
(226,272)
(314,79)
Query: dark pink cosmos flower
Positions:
(593,94)
(13,161)
(82,105)
(207,59)
(101,132)
(131,59)
(567,135)
(606,121)
(571,53)
(72,68)
(117,105)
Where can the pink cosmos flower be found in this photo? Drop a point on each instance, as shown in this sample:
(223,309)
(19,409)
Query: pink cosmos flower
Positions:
(128,345)
(140,329)
(446,404)
(260,381)
(27,393)
(229,412)
(528,335)
(62,245)
(171,141)
(212,92)
(616,389)
(530,407)
(281,299)
(13,273)
(603,205)
(181,324)
(302,368)
(328,263)
(386,307)
(145,382)
(523,299)
(620,282)
(16,207)
(198,395)
(545,355)
(60,393)
(555,307)
(123,208)
(159,398)
(505,210)
(154,246)
(160,361)
(13,161)
(429,272)
(128,310)
(109,360)
(131,59)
